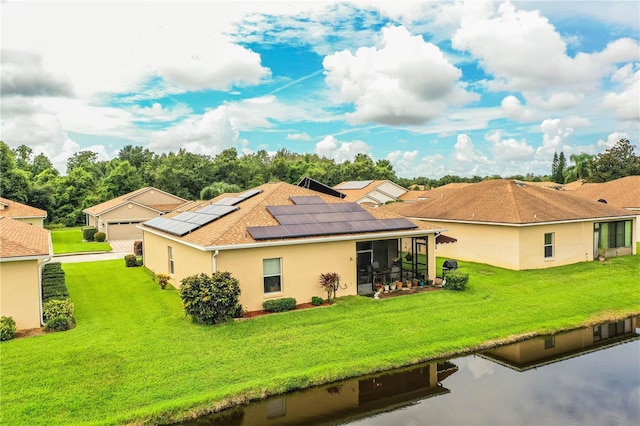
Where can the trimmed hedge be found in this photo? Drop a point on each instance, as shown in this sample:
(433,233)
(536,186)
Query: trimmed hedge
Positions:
(100,237)
(456,280)
(57,308)
(53,282)
(137,248)
(317,301)
(7,328)
(58,324)
(88,233)
(279,305)
(130,260)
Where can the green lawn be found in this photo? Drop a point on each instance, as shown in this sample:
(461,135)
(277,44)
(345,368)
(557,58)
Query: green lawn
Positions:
(69,240)
(135,358)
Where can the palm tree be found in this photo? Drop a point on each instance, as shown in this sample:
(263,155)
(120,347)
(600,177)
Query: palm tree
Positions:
(581,168)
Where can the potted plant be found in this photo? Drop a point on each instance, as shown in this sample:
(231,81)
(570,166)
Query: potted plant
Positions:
(392,286)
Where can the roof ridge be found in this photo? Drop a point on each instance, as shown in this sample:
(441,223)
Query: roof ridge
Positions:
(514,201)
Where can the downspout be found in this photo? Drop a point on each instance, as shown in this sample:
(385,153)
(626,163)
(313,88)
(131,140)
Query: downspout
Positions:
(214,262)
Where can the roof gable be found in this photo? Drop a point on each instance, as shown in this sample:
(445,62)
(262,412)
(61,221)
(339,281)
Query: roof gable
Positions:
(505,201)
(18,210)
(19,239)
(144,197)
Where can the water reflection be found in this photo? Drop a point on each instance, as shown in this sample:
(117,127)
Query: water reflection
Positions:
(587,376)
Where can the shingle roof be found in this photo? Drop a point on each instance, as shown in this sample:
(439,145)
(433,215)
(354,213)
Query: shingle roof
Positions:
(623,192)
(19,210)
(19,239)
(232,228)
(505,201)
(115,202)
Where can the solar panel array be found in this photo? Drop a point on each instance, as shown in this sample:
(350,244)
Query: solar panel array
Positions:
(187,222)
(311,216)
(354,184)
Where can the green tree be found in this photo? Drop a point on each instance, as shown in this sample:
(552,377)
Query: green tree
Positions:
(616,162)
(14,182)
(581,168)
(122,179)
(217,188)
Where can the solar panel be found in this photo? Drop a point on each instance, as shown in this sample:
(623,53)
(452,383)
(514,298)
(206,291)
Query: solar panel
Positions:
(354,184)
(250,193)
(306,199)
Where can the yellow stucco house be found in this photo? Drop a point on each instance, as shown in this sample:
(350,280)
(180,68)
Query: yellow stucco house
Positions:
(22,212)
(23,250)
(119,217)
(277,239)
(518,226)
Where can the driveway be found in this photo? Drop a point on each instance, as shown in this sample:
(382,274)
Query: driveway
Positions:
(119,249)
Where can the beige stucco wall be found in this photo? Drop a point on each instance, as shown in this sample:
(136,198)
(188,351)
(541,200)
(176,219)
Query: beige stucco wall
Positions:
(36,221)
(152,197)
(20,292)
(573,243)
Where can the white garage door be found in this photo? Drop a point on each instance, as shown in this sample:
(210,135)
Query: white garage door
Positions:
(123,231)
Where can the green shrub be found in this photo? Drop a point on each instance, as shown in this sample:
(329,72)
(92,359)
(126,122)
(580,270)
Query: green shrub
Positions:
(130,260)
(211,299)
(58,324)
(137,248)
(7,328)
(317,301)
(163,280)
(139,261)
(53,282)
(456,280)
(88,233)
(54,226)
(100,237)
(57,308)
(279,305)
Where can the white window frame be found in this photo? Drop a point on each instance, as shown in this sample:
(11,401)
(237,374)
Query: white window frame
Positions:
(265,275)
(551,245)
(171,262)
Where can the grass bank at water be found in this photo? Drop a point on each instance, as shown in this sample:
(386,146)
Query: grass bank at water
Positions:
(134,357)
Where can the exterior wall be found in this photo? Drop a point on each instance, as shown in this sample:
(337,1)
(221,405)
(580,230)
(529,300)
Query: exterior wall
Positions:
(129,212)
(152,197)
(492,244)
(573,243)
(391,189)
(20,292)
(36,221)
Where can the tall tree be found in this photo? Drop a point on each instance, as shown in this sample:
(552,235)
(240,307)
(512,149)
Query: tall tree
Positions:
(616,162)
(557,168)
(581,168)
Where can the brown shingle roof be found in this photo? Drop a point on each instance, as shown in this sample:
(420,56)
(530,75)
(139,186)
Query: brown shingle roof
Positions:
(414,195)
(232,228)
(19,239)
(18,210)
(505,201)
(115,202)
(623,192)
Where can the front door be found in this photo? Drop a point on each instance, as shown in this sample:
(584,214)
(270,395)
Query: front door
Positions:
(364,261)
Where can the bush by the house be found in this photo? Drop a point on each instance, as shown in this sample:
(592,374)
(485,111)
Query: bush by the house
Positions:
(456,280)
(53,282)
(316,301)
(330,282)
(279,305)
(137,248)
(58,324)
(7,328)
(57,308)
(88,232)
(211,299)
(100,237)
(163,280)
(130,260)
(139,261)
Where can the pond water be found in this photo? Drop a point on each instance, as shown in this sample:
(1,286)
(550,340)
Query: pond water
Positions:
(588,376)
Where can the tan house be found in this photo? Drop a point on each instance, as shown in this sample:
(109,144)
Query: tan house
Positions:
(22,212)
(518,226)
(23,250)
(623,192)
(372,192)
(119,217)
(278,238)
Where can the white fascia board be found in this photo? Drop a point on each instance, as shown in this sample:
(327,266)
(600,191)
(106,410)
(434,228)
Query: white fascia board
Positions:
(21,258)
(518,225)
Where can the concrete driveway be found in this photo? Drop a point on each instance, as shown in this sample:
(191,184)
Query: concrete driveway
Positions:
(119,250)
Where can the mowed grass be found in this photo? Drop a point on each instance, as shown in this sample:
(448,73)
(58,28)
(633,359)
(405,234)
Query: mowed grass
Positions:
(69,240)
(135,358)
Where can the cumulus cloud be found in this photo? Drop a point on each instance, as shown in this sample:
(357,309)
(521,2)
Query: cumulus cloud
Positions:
(525,52)
(24,74)
(157,112)
(404,80)
(466,152)
(513,108)
(625,103)
(555,137)
(612,139)
(509,149)
(330,147)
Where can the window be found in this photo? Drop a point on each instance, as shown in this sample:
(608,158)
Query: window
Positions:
(614,234)
(549,342)
(548,245)
(272,272)
(170,252)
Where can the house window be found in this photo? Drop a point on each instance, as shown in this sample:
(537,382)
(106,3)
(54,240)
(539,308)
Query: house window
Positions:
(272,272)
(549,342)
(170,251)
(548,245)
(614,234)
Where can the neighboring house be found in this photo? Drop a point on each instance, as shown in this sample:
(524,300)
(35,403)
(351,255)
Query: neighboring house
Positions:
(23,250)
(22,212)
(623,192)
(518,226)
(277,239)
(118,218)
(372,192)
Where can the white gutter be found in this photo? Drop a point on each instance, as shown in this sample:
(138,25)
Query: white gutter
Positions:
(554,222)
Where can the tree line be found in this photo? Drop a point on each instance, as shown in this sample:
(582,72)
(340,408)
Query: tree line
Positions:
(33,180)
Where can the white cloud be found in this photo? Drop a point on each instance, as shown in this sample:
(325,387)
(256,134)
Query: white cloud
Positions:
(157,112)
(509,149)
(466,152)
(555,137)
(330,147)
(513,108)
(612,139)
(625,103)
(404,80)
(298,137)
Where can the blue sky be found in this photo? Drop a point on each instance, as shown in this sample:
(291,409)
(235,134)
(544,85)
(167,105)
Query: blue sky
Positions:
(465,88)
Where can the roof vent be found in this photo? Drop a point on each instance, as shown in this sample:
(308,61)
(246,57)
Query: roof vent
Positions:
(602,200)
